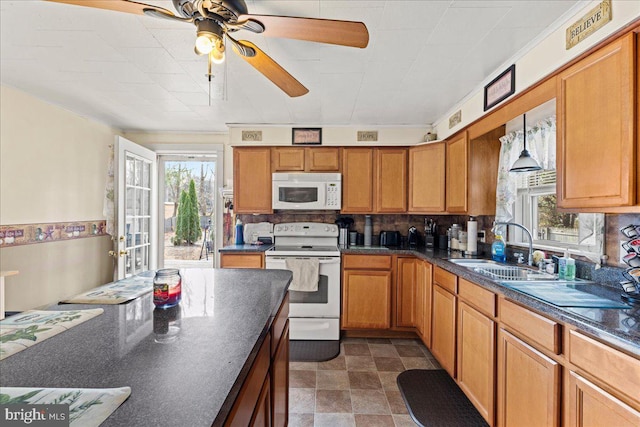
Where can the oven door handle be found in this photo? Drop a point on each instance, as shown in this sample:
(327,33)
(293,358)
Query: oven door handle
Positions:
(323,260)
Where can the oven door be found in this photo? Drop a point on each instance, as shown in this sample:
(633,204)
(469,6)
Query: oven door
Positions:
(299,195)
(325,302)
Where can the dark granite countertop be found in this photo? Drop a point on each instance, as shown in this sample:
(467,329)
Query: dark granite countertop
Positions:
(618,327)
(193,380)
(245,248)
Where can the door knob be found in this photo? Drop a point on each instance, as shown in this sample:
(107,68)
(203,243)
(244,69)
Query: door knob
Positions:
(123,253)
(113,254)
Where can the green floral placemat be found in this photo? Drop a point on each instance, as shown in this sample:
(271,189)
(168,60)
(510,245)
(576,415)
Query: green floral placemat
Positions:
(115,293)
(88,407)
(31,327)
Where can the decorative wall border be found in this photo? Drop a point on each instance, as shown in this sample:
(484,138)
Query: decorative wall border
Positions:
(29,234)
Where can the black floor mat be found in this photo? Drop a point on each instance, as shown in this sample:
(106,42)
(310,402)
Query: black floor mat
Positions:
(313,350)
(435,400)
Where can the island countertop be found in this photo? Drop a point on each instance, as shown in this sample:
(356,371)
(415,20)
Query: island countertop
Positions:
(192,379)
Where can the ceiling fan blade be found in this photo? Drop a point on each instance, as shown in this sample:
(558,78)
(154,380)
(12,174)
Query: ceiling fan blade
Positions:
(271,69)
(344,33)
(118,6)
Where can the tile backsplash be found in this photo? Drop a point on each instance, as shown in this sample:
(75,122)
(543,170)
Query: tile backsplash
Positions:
(402,222)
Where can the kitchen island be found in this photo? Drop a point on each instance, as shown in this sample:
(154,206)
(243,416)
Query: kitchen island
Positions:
(185,366)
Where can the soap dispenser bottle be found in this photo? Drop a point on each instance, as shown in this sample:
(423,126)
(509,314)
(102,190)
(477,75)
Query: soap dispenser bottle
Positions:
(239,232)
(499,249)
(562,265)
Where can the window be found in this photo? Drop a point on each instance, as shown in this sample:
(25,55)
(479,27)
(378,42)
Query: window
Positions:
(535,208)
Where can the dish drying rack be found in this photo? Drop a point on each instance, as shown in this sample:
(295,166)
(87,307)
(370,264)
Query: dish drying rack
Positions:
(512,273)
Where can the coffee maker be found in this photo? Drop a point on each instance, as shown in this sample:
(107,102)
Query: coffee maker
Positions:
(343,225)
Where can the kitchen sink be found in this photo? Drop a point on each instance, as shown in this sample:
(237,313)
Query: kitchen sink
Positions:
(564,293)
(500,272)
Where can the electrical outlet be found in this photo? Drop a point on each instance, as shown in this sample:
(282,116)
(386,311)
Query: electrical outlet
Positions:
(622,251)
(482,236)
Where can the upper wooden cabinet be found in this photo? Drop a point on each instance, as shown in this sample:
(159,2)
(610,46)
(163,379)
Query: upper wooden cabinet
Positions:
(357,180)
(374,180)
(472,173)
(457,159)
(391,180)
(252,180)
(305,159)
(426,178)
(325,159)
(597,146)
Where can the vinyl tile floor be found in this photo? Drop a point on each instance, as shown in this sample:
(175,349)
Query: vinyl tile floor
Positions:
(357,388)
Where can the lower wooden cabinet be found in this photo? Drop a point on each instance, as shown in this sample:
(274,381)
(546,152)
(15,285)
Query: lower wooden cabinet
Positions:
(366,299)
(423,301)
(476,359)
(263,400)
(249,405)
(366,291)
(589,405)
(280,382)
(241,260)
(406,292)
(443,328)
(262,414)
(528,385)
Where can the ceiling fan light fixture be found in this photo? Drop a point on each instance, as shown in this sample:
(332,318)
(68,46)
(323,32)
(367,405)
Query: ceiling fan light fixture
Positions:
(209,37)
(217,54)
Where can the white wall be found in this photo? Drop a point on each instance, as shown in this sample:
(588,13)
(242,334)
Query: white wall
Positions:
(52,169)
(546,57)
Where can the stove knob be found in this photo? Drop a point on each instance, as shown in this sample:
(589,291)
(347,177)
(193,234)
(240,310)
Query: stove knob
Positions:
(285,228)
(327,228)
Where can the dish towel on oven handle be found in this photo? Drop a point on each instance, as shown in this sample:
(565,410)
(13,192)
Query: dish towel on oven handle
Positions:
(305,274)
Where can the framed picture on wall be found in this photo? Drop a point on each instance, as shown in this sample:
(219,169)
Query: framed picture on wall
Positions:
(500,88)
(307,136)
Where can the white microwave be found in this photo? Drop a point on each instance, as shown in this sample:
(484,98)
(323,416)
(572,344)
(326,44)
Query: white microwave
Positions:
(307,191)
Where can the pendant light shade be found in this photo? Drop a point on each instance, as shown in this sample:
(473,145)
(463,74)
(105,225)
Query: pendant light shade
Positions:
(525,162)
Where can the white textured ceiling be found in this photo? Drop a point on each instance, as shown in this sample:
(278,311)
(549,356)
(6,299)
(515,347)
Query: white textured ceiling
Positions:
(140,73)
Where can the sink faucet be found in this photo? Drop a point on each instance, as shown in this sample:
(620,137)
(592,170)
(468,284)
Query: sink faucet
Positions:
(527,232)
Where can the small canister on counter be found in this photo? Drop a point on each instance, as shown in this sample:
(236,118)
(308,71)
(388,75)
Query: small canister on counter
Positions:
(167,288)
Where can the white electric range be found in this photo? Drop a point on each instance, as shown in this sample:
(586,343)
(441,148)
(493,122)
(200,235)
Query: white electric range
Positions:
(312,315)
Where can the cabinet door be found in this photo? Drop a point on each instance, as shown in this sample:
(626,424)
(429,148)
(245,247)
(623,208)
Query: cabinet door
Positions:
(476,359)
(366,299)
(590,406)
(287,159)
(252,180)
(528,385)
(457,171)
(391,180)
(241,260)
(262,415)
(280,382)
(426,178)
(406,292)
(325,159)
(595,129)
(423,301)
(443,332)
(357,180)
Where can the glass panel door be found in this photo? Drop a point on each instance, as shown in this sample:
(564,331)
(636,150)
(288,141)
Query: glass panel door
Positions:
(136,214)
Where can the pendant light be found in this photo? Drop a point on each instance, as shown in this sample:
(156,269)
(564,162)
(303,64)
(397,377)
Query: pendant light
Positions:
(525,162)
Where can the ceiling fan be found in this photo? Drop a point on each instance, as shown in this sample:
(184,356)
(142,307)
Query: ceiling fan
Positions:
(216,20)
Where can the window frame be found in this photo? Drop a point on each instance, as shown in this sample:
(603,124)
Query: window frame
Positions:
(524,211)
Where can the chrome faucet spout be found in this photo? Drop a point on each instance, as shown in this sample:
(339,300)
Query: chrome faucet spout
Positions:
(527,232)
